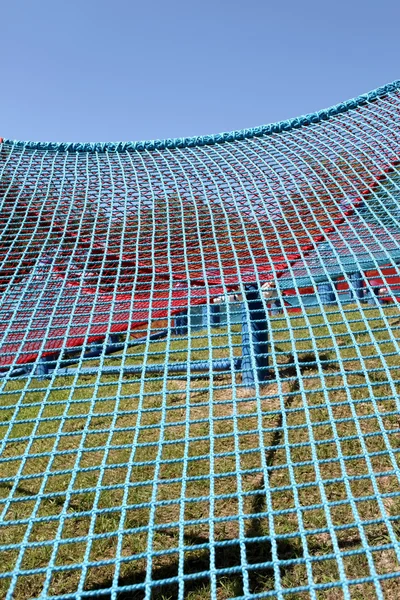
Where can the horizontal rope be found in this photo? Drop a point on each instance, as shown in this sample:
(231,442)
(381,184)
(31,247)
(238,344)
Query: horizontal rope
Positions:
(220,138)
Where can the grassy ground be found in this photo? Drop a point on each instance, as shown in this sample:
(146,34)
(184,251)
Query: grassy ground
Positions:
(91,461)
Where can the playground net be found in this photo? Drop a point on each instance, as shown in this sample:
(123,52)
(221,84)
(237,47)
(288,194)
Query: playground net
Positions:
(199,362)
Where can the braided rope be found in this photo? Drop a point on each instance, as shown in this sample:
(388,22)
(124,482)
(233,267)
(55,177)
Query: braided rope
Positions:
(220,138)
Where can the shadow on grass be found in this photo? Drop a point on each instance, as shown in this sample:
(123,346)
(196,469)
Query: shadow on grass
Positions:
(258,548)
(226,557)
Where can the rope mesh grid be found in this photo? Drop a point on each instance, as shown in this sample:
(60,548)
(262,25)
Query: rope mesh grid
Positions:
(199,363)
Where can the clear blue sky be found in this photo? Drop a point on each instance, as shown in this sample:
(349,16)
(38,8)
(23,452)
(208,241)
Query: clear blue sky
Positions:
(118,70)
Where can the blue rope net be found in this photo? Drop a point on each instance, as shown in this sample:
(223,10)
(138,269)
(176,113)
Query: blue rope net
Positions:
(199,363)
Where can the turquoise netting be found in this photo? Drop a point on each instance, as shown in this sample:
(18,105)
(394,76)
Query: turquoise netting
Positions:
(199,363)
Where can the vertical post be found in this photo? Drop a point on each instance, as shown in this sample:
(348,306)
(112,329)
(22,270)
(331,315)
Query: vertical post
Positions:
(41,368)
(113,338)
(181,323)
(215,315)
(96,349)
(41,271)
(254,336)
(326,292)
(212,314)
(177,324)
(184,322)
(356,285)
(204,315)
(235,312)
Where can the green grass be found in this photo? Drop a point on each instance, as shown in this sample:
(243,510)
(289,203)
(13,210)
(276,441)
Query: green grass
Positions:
(338,379)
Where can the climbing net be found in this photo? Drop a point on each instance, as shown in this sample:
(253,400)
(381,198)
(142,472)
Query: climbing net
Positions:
(199,362)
